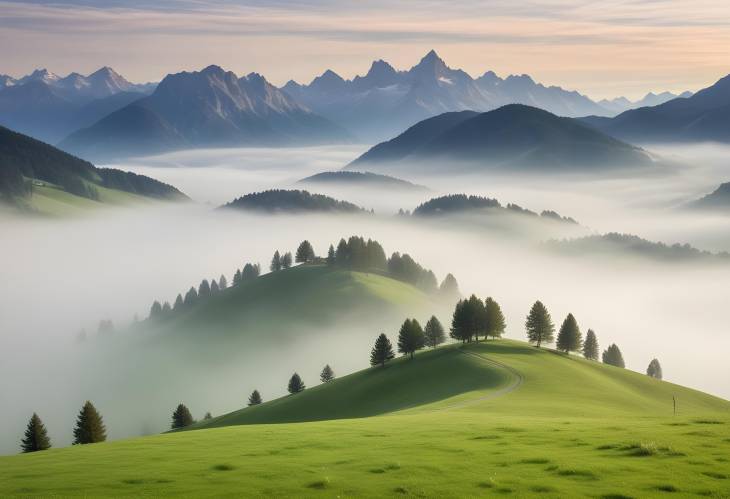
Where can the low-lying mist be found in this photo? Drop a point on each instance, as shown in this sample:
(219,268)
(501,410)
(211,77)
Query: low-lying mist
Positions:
(64,275)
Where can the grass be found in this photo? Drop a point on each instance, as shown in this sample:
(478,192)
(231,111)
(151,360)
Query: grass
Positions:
(441,425)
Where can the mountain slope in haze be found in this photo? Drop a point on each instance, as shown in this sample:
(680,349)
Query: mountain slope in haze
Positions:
(718,200)
(48,107)
(705,116)
(27,165)
(513,136)
(540,423)
(361,180)
(621,104)
(208,108)
(385,101)
(290,201)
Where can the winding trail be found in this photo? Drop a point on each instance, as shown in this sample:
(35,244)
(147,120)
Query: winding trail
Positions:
(517,380)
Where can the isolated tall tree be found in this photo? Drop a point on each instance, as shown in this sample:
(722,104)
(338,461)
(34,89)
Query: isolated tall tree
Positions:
(410,337)
(331,255)
(655,369)
(569,336)
(181,417)
(155,310)
(36,436)
(204,288)
(539,325)
(89,426)
(434,332)
(222,282)
(275,262)
(327,374)
(612,356)
(305,253)
(254,398)
(590,346)
(286,260)
(296,384)
(494,319)
(382,352)
(449,287)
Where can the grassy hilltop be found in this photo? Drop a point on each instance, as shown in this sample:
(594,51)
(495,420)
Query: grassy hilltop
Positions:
(498,417)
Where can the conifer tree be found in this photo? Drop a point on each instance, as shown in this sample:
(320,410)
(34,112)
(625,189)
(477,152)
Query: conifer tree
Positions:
(327,374)
(612,356)
(655,369)
(181,417)
(296,384)
(155,310)
(410,337)
(331,255)
(434,332)
(305,253)
(494,318)
(204,288)
(214,287)
(590,346)
(569,336)
(286,260)
(254,398)
(222,283)
(166,308)
(275,262)
(178,303)
(251,271)
(36,436)
(449,288)
(539,325)
(190,297)
(237,278)
(89,426)
(342,256)
(382,352)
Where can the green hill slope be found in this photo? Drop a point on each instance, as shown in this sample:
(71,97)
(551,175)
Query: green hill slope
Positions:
(500,418)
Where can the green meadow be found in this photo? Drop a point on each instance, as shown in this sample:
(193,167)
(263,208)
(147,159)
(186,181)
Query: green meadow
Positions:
(496,418)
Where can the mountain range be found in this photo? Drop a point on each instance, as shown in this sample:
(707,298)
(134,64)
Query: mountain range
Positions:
(386,101)
(703,116)
(49,107)
(621,104)
(513,136)
(208,108)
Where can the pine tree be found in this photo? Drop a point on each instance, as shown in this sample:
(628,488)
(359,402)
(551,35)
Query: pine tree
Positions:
(181,417)
(305,253)
(569,336)
(296,384)
(237,277)
(222,283)
(286,260)
(204,288)
(612,356)
(655,369)
(155,310)
(468,319)
(178,303)
(275,262)
(590,346)
(166,308)
(190,297)
(449,287)
(342,253)
(254,398)
(539,325)
(214,287)
(89,426)
(251,271)
(327,374)
(494,318)
(434,332)
(410,337)
(331,255)
(36,437)
(382,352)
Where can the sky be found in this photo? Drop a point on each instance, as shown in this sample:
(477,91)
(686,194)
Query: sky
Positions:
(603,49)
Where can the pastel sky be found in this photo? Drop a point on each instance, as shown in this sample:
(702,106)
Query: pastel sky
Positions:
(601,48)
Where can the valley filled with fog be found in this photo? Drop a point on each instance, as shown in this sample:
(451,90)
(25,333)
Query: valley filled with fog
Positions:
(66,275)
